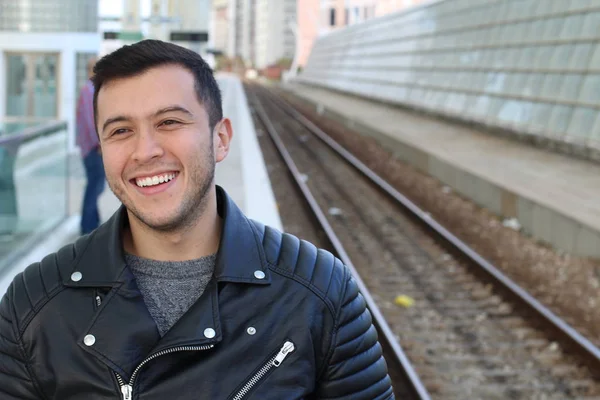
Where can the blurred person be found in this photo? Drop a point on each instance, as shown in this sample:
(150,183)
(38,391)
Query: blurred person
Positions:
(179,295)
(87,140)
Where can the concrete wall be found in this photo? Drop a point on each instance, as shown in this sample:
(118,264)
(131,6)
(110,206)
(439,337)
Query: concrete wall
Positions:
(527,66)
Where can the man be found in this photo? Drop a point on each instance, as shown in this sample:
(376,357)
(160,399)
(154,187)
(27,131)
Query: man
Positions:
(87,140)
(179,295)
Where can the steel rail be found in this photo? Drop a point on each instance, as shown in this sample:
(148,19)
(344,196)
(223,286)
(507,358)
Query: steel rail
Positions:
(398,353)
(563,329)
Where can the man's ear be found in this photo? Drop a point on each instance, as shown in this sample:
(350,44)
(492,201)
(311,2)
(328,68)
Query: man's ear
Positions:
(222,139)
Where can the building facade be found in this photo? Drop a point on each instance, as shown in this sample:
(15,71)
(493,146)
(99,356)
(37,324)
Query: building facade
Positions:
(319,17)
(384,7)
(44,49)
(185,22)
(241,35)
(188,23)
(219,25)
(275,39)
(248,52)
(259,32)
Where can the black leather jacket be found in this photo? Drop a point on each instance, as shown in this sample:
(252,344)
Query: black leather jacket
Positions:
(280,320)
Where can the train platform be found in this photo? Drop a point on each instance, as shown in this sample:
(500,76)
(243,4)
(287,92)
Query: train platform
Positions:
(242,174)
(553,197)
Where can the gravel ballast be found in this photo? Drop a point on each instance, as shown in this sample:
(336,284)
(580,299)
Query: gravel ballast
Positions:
(567,284)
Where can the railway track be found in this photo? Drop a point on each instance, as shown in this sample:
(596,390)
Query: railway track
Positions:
(468,334)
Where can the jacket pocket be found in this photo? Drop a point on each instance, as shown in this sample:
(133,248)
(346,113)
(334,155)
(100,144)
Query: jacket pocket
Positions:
(274,362)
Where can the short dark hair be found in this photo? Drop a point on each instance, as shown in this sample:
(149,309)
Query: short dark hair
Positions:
(135,59)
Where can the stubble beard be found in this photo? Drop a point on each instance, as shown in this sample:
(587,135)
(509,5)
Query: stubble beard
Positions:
(192,206)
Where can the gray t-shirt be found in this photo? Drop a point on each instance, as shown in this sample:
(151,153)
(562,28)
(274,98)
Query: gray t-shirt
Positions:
(170,288)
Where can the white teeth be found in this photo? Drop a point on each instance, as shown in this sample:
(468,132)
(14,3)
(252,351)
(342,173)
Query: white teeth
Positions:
(154,180)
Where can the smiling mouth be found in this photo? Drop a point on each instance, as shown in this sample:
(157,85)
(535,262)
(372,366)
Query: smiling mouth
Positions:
(154,180)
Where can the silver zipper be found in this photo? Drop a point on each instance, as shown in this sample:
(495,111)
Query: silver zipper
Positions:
(98,301)
(287,348)
(127,389)
(127,392)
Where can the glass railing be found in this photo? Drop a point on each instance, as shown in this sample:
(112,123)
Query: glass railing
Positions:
(8,128)
(33,185)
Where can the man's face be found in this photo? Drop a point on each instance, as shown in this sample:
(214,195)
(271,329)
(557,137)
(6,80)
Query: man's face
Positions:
(157,146)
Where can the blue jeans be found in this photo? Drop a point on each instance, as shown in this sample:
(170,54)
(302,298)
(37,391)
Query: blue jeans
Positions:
(94,170)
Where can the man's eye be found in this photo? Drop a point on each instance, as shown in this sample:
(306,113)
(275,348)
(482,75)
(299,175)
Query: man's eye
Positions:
(120,131)
(169,122)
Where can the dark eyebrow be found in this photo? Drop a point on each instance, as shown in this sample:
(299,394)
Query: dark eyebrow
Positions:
(173,109)
(120,118)
(124,118)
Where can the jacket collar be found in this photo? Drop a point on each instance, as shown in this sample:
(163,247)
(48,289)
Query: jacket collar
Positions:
(102,261)
(123,329)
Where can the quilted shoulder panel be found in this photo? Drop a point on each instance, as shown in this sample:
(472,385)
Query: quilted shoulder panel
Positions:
(318,269)
(33,288)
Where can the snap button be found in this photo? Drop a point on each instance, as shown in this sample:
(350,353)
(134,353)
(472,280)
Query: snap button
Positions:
(259,274)
(89,340)
(251,331)
(209,333)
(76,276)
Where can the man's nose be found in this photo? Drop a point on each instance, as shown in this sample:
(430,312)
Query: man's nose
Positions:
(147,147)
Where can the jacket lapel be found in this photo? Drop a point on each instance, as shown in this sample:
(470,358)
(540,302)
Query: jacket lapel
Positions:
(122,328)
(239,257)
(197,325)
(241,254)
(124,331)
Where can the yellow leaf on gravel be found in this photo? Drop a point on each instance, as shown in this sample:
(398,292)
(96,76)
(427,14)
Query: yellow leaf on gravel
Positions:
(404,301)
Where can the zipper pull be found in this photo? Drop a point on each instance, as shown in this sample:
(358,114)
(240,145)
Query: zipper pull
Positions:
(127,391)
(287,348)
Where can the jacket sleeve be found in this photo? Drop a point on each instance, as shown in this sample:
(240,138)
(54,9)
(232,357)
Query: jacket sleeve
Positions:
(356,368)
(15,378)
